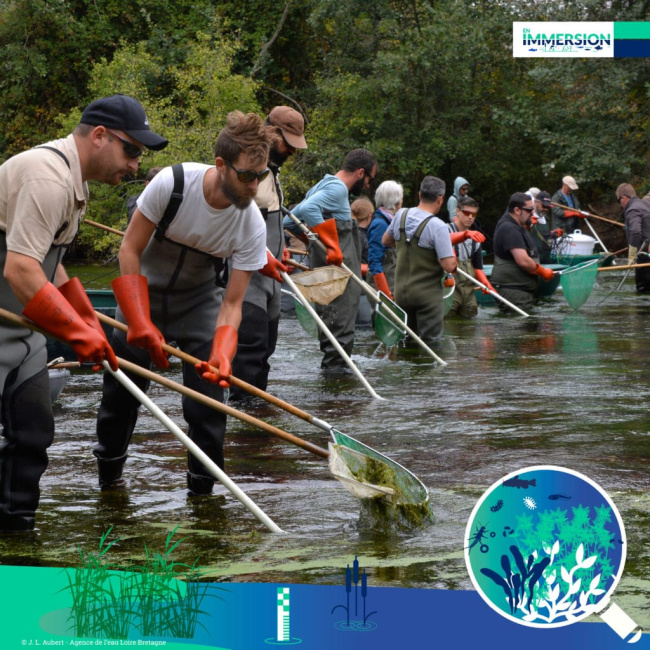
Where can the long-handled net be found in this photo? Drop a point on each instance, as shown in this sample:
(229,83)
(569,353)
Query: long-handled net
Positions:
(387,331)
(447,296)
(379,480)
(578,282)
(322,285)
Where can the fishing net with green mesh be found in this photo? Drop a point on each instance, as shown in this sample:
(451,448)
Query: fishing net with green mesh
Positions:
(305,319)
(386,327)
(448,297)
(369,467)
(578,282)
(393,491)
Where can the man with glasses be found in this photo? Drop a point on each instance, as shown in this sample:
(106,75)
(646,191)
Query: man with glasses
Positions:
(467,246)
(516,269)
(258,332)
(636,214)
(43,198)
(326,211)
(171,263)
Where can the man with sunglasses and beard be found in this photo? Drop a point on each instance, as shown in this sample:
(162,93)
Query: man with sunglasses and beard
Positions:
(258,332)
(43,198)
(516,269)
(467,247)
(171,265)
(326,212)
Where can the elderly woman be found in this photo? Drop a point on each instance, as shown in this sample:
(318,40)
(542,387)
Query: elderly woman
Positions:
(382,260)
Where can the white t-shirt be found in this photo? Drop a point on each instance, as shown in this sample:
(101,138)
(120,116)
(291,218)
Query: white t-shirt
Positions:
(235,233)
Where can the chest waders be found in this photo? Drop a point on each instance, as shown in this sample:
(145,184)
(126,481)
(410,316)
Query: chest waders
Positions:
(513,283)
(25,407)
(258,331)
(341,314)
(418,290)
(185,301)
(464,302)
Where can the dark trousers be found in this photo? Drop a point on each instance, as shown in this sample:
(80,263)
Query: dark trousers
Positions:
(118,414)
(258,336)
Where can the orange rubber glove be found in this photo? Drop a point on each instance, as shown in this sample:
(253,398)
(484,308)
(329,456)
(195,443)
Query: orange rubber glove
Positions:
(558,232)
(76,295)
(50,310)
(458,237)
(364,271)
(132,295)
(544,273)
(481,277)
(573,213)
(449,280)
(382,284)
(224,348)
(329,236)
(273,267)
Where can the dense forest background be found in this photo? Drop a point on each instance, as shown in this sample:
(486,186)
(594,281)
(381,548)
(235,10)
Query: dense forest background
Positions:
(429,86)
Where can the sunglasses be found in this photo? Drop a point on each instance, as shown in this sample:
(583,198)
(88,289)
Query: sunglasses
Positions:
(248,175)
(529,210)
(467,213)
(131,150)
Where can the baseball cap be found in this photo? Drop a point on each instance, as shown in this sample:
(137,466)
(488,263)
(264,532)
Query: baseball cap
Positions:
(291,123)
(571,182)
(126,114)
(544,198)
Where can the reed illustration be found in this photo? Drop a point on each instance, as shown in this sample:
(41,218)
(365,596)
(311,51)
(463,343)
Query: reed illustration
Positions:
(158,597)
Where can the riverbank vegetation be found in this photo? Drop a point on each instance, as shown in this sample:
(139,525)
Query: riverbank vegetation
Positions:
(428,86)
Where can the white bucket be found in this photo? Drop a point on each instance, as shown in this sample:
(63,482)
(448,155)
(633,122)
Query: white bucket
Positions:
(576,244)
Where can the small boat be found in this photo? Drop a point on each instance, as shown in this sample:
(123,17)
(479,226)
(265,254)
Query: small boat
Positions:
(544,290)
(58,380)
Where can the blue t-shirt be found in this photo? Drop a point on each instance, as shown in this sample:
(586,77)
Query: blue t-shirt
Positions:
(328,198)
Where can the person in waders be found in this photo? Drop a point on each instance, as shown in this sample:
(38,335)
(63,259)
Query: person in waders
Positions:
(516,269)
(424,255)
(326,211)
(188,220)
(540,227)
(258,332)
(467,247)
(43,198)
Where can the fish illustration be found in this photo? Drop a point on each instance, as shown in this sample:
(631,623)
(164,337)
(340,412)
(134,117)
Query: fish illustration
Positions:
(517,482)
(555,497)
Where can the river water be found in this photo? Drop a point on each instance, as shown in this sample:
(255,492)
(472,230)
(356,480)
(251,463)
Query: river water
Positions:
(559,388)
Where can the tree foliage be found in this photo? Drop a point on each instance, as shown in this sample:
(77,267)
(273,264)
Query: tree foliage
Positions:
(429,86)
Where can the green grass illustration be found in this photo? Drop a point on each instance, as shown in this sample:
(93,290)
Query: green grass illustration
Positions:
(157,597)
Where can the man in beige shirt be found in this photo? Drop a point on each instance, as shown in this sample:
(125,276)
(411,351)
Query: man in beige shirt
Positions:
(43,197)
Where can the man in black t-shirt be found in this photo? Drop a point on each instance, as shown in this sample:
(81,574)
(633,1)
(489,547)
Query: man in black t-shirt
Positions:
(516,259)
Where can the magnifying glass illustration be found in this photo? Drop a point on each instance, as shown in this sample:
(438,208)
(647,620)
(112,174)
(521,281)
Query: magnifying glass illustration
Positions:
(545,547)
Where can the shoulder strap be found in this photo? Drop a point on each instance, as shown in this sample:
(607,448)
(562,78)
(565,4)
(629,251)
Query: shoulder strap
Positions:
(402,225)
(418,233)
(175,200)
(56,151)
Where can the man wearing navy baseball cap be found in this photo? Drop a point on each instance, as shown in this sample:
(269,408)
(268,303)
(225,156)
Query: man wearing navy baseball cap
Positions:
(123,113)
(43,198)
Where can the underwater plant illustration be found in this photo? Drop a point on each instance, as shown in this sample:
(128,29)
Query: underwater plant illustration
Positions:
(562,578)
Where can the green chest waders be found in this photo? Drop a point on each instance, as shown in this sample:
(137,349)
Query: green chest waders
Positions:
(418,290)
